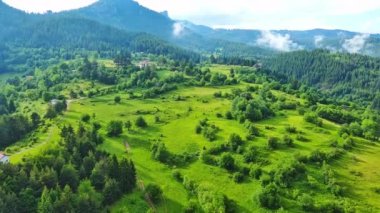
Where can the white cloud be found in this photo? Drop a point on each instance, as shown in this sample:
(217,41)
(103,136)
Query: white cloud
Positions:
(40,6)
(356,44)
(318,40)
(178,29)
(277,41)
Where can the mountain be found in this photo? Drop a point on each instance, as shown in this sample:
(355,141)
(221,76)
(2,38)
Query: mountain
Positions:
(120,13)
(33,39)
(336,40)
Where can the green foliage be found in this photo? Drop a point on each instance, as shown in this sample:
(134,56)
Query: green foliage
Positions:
(140,122)
(154,192)
(227,162)
(159,152)
(313,118)
(115,128)
(273,143)
(269,197)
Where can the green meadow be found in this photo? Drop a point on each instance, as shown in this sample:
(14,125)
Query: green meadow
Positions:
(172,118)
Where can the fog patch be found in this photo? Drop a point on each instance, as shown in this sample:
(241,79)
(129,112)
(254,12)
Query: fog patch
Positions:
(277,41)
(356,44)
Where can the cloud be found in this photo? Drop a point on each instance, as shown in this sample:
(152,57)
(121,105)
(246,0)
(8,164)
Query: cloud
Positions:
(277,41)
(178,29)
(274,14)
(41,6)
(318,40)
(356,44)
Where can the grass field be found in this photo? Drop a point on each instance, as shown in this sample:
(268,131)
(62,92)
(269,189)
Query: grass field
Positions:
(176,128)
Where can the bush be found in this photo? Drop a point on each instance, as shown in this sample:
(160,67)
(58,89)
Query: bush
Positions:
(306,202)
(140,122)
(227,162)
(177,175)
(291,129)
(288,141)
(255,172)
(154,192)
(229,115)
(117,99)
(313,118)
(269,197)
(86,118)
(235,141)
(238,177)
(272,143)
(115,128)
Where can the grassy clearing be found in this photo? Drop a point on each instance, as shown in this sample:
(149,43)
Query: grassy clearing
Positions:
(176,128)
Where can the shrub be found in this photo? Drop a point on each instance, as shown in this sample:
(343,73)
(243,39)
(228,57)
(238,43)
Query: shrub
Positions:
(291,129)
(238,177)
(117,99)
(227,162)
(288,141)
(86,118)
(306,202)
(140,122)
(272,143)
(313,118)
(229,115)
(235,141)
(177,175)
(115,128)
(269,197)
(255,172)
(154,192)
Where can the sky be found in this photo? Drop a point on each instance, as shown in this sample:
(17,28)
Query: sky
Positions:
(361,16)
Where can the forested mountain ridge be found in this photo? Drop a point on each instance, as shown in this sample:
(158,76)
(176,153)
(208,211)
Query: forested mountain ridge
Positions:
(34,38)
(352,76)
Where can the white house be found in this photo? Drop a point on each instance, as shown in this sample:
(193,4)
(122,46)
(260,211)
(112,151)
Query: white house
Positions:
(4,158)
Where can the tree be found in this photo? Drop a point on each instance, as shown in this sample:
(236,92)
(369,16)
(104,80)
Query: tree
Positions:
(117,99)
(97,179)
(140,122)
(269,197)
(69,176)
(159,152)
(128,125)
(227,161)
(272,143)
(86,118)
(115,128)
(88,199)
(111,191)
(46,204)
(35,117)
(154,192)
(235,141)
(288,141)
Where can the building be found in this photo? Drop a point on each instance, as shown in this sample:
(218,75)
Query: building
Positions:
(4,158)
(144,64)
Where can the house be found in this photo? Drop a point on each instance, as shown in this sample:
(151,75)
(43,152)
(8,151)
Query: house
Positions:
(143,64)
(4,158)
(54,102)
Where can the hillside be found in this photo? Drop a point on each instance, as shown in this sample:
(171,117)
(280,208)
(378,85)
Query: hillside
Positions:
(199,138)
(348,76)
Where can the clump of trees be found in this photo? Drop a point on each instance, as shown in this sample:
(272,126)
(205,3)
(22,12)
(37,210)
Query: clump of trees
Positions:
(313,118)
(115,128)
(252,109)
(75,177)
(209,131)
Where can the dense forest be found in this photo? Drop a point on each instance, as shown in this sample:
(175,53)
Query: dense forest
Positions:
(352,76)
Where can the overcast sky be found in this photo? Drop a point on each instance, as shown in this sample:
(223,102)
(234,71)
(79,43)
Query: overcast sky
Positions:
(355,15)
